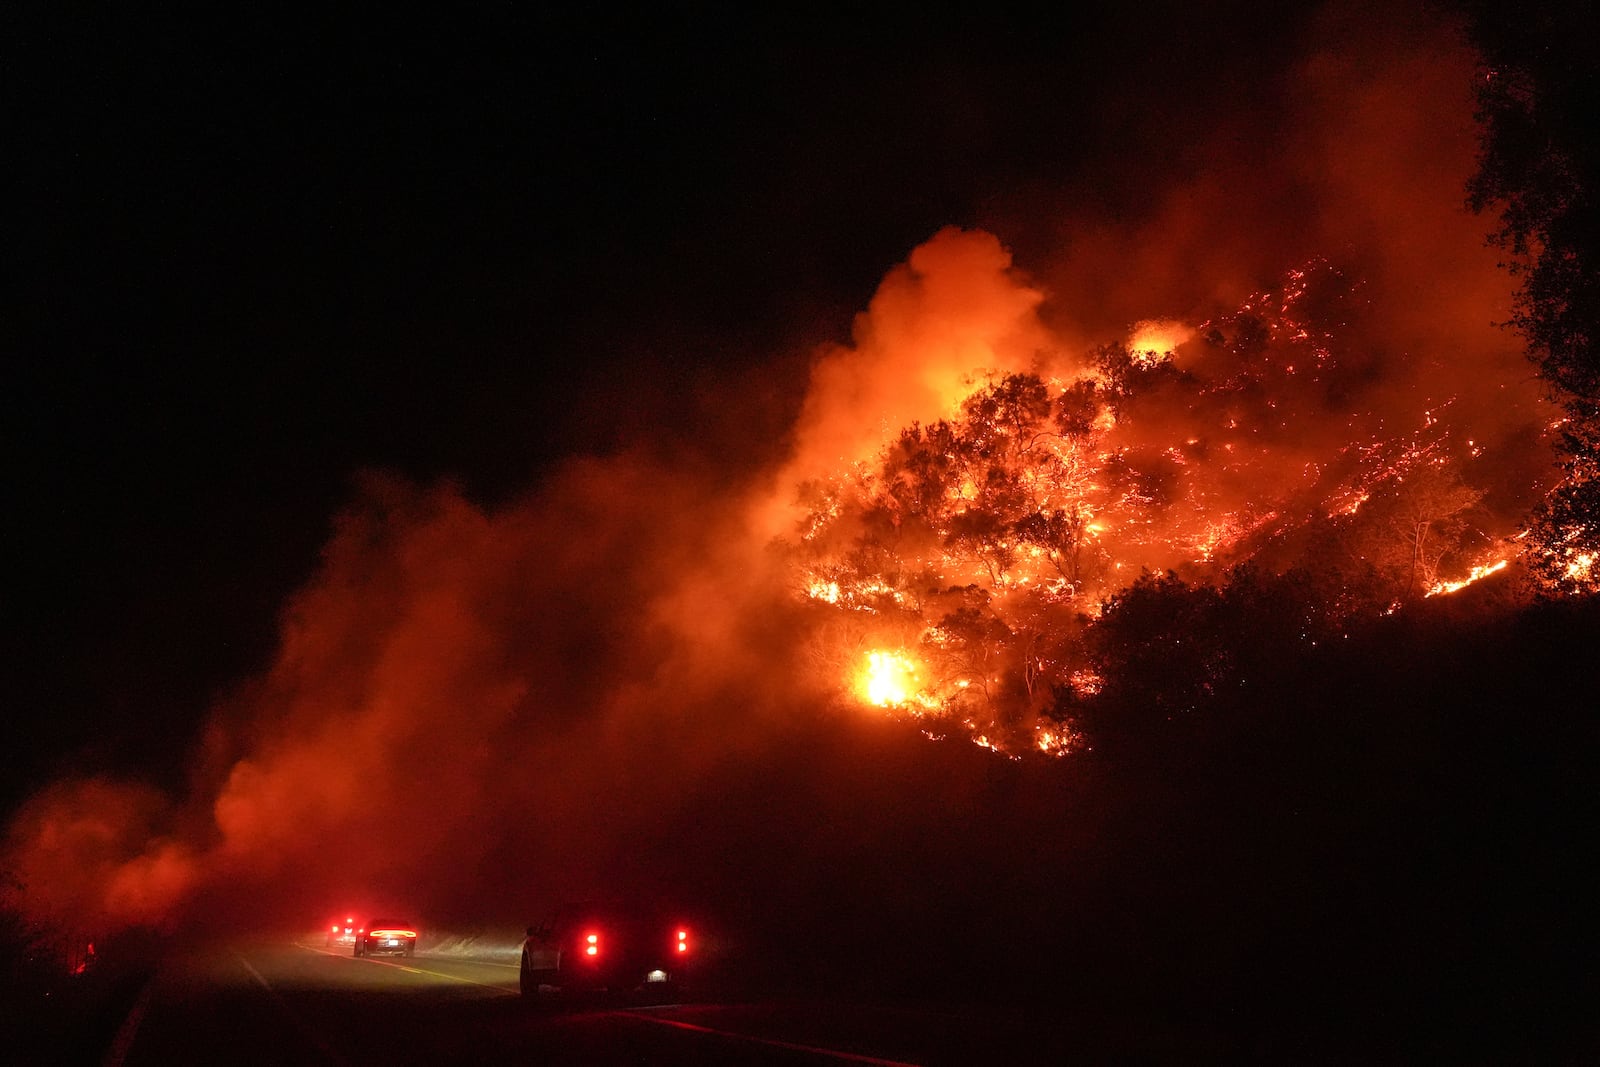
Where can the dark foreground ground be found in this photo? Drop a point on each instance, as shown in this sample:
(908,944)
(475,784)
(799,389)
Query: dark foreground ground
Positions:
(283,1003)
(298,1002)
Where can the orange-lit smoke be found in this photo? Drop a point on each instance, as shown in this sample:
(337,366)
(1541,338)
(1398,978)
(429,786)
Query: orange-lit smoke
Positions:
(954,311)
(450,676)
(86,848)
(1154,340)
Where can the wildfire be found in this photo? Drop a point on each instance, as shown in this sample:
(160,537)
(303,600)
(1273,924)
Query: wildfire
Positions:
(1153,341)
(1474,575)
(1580,568)
(997,532)
(1087,683)
(828,591)
(1056,742)
(889,679)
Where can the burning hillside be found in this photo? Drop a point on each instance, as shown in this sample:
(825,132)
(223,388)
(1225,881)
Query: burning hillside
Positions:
(956,573)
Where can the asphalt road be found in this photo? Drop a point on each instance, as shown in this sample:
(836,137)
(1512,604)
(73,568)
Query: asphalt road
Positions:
(288,1003)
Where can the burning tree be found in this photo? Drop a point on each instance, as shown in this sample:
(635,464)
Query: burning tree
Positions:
(1567,525)
(1420,520)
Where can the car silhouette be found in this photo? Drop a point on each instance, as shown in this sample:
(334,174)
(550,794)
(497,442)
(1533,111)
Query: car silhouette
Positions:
(392,937)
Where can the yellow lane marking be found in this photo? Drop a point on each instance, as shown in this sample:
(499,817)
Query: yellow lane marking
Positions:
(851,1057)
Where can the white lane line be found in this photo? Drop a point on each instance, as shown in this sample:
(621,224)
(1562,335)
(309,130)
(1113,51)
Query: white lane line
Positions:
(417,970)
(817,1050)
(294,1017)
(509,967)
(117,1054)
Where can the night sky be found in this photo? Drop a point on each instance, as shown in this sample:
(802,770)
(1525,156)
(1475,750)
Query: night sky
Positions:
(249,256)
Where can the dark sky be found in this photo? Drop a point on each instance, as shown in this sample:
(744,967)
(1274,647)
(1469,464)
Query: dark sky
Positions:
(250,255)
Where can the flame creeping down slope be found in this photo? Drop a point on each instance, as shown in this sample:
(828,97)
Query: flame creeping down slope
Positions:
(1477,573)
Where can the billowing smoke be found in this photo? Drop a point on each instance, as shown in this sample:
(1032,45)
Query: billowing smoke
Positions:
(609,677)
(449,667)
(955,310)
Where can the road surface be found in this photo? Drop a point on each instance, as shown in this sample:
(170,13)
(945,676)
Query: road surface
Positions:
(299,1003)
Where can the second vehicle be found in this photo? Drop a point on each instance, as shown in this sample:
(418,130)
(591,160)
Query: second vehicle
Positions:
(594,947)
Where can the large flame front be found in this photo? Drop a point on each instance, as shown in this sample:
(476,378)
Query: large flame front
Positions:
(889,679)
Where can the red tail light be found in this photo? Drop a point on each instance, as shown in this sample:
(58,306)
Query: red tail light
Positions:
(334,928)
(591,945)
(683,941)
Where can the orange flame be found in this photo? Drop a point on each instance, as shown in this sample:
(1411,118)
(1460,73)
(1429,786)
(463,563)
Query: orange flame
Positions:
(1474,575)
(1154,341)
(890,679)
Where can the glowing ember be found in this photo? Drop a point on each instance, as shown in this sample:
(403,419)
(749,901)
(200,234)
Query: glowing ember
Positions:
(1056,741)
(1087,683)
